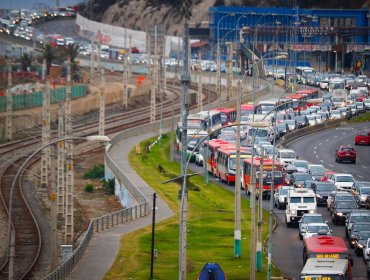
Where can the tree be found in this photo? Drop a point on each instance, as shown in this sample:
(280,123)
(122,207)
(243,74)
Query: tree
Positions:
(71,51)
(25,61)
(49,54)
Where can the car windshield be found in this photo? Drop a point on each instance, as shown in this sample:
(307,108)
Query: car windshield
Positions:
(360,227)
(364,235)
(317,173)
(313,219)
(365,219)
(365,190)
(346,204)
(326,187)
(258,132)
(287,154)
(345,179)
(283,191)
(308,200)
(347,149)
(302,177)
(315,228)
(301,164)
(295,199)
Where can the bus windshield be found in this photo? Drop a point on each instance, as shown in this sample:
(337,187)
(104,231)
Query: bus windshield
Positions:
(322,277)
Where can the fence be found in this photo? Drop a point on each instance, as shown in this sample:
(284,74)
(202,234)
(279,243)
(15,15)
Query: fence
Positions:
(32,100)
(136,211)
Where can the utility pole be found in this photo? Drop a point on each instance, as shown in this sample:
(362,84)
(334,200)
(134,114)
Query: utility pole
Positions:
(252,255)
(260,219)
(102,103)
(200,84)
(69,206)
(155,77)
(237,222)
(9,105)
(45,153)
(218,73)
(125,74)
(61,164)
(185,79)
(229,85)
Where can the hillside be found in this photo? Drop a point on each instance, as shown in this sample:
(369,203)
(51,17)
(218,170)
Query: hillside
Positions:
(139,14)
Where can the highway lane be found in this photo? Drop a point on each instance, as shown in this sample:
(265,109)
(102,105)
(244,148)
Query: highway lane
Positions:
(319,148)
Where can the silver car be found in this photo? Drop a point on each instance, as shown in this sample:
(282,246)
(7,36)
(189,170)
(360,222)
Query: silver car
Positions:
(309,219)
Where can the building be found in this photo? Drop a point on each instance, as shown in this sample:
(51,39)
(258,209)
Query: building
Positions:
(327,39)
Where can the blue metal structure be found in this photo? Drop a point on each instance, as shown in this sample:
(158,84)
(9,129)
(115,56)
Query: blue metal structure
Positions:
(310,36)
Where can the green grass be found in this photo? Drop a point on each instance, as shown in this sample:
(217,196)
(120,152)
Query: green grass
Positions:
(210,227)
(361,118)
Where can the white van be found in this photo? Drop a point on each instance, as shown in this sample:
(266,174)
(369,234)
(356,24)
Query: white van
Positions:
(286,156)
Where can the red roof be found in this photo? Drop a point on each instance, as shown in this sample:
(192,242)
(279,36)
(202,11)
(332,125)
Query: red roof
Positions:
(326,244)
(199,44)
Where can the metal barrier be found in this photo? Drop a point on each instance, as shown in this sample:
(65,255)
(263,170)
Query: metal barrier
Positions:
(137,211)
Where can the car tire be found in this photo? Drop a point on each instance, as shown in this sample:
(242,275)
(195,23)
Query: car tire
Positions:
(300,236)
(334,219)
(357,251)
(354,161)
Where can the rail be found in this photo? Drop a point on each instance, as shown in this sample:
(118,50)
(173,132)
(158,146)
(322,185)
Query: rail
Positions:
(137,211)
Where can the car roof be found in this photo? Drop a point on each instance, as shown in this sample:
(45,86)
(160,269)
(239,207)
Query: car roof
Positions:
(317,224)
(312,214)
(343,174)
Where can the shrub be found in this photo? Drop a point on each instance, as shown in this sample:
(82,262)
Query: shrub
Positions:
(97,171)
(89,188)
(108,186)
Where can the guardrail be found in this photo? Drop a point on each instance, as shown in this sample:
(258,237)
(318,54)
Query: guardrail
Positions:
(137,211)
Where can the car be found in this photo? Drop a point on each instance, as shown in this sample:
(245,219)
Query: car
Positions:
(292,124)
(343,181)
(354,231)
(340,210)
(312,120)
(353,108)
(339,196)
(286,156)
(366,251)
(302,121)
(345,153)
(361,241)
(280,196)
(328,175)
(309,218)
(367,104)
(314,229)
(323,190)
(282,129)
(360,106)
(317,171)
(362,138)
(301,165)
(361,190)
(346,112)
(297,179)
(356,216)
(335,114)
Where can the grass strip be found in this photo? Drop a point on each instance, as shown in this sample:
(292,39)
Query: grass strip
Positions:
(210,226)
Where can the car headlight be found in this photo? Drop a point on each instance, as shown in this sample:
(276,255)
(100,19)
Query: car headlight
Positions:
(293,212)
(318,195)
(339,214)
(311,211)
(363,197)
(359,245)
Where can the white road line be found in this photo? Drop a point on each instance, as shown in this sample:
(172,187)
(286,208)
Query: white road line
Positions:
(315,147)
(320,144)
(344,133)
(327,140)
(344,171)
(317,156)
(363,166)
(331,165)
(336,136)
(321,160)
(362,177)
(314,152)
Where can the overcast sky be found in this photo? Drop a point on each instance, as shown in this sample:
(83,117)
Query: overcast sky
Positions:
(29,4)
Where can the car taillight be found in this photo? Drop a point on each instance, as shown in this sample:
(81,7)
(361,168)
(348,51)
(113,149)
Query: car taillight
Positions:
(341,153)
(353,153)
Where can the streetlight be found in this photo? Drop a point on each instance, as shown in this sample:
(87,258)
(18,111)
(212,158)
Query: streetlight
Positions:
(11,237)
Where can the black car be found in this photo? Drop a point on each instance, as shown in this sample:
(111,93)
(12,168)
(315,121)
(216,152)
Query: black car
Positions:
(355,230)
(302,121)
(361,242)
(356,216)
(341,209)
(323,190)
(298,178)
(282,129)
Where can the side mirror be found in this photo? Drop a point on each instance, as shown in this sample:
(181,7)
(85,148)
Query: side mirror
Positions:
(326,222)
(303,231)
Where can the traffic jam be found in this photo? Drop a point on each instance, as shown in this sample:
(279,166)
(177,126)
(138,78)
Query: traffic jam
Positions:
(300,187)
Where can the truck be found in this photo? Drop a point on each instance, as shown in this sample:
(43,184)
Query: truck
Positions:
(339,98)
(299,202)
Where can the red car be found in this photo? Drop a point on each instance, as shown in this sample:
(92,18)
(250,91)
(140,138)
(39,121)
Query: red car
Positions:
(345,153)
(362,138)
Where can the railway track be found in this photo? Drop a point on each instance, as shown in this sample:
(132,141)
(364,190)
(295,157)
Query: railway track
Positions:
(28,238)
(24,226)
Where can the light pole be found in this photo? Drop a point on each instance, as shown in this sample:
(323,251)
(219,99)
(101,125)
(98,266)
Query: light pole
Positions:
(11,234)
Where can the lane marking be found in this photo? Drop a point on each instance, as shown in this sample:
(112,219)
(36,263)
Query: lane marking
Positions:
(317,156)
(331,165)
(327,140)
(320,144)
(321,160)
(362,177)
(336,136)
(363,166)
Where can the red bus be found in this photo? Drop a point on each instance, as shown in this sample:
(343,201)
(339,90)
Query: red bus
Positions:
(298,102)
(267,172)
(56,41)
(332,247)
(211,147)
(309,93)
(249,108)
(228,115)
(226,162)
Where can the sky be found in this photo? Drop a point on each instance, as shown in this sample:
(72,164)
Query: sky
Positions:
(28,4)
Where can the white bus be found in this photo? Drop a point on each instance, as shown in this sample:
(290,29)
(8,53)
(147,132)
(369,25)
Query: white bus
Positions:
(302,72)
(325,268)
